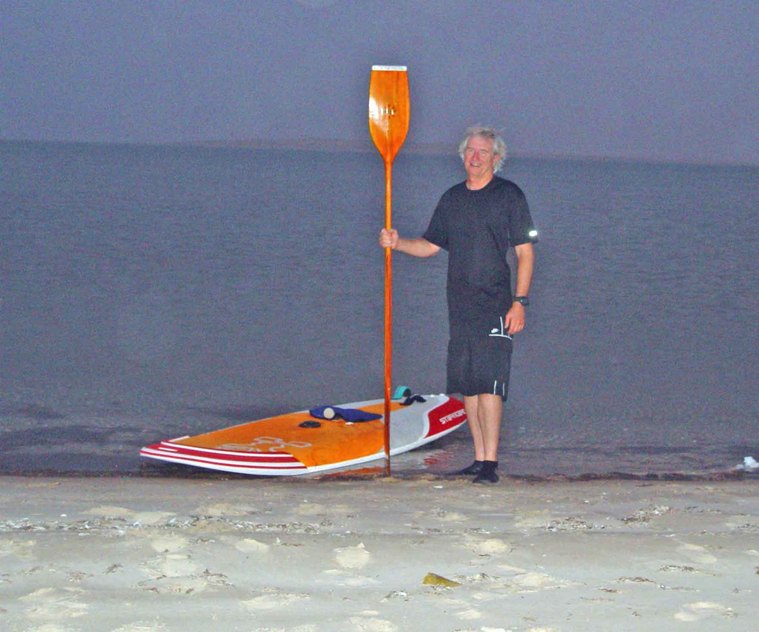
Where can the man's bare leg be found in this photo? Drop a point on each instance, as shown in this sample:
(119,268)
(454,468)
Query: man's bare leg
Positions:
(484,414)
(489,414)
(471,406)
(485,424)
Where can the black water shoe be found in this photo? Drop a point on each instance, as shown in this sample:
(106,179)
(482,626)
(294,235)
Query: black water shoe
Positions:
(487,473)
(474,468)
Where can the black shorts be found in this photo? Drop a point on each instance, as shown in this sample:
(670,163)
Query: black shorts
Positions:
(479,360)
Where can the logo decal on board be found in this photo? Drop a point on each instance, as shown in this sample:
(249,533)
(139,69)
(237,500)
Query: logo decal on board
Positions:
(446,417)
(444,421)
(265,444)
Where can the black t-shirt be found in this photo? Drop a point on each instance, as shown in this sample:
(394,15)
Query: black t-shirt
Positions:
(477,228)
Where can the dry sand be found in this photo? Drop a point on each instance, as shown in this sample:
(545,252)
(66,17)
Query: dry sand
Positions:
(379,555)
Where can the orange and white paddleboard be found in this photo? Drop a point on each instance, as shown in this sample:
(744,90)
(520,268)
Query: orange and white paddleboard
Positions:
(305,443)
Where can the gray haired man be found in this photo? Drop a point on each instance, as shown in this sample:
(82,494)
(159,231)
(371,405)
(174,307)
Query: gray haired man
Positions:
(477,221)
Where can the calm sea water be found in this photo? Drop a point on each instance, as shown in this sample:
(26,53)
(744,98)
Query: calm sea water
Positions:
(150,292)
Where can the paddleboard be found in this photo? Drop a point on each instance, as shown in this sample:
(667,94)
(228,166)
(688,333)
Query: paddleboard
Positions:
(304,443)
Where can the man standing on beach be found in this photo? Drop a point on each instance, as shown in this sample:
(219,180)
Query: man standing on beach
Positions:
(477,221)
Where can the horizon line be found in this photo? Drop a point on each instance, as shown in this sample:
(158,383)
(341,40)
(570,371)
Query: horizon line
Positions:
(366,146)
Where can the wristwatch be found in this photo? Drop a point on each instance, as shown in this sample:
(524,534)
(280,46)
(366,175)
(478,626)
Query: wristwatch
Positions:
(522,299)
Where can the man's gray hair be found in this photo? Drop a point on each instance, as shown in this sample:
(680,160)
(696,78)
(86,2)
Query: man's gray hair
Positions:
(499,146)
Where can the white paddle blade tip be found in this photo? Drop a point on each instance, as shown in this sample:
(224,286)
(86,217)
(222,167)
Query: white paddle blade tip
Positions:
(391,68)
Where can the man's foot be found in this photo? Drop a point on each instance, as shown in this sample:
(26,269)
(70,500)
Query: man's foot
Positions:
(474,468)
(488,473)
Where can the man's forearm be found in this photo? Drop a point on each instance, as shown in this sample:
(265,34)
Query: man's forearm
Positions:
(417,247)
(525,265)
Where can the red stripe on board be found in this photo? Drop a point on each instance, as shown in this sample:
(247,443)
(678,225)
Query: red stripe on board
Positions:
(227,455)
(249,465)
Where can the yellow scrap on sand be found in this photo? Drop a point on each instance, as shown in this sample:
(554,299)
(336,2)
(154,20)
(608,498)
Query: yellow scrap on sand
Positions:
(433,579)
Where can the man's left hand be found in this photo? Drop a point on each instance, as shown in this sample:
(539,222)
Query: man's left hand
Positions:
(515,318)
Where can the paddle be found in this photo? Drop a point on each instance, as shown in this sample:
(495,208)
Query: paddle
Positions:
(389,111)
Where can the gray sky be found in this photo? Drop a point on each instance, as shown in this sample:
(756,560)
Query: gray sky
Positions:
(676,80)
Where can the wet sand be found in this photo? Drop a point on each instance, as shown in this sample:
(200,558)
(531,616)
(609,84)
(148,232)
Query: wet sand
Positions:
(380,555)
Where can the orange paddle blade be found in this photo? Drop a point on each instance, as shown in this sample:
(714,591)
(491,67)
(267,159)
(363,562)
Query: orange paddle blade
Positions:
(389,109)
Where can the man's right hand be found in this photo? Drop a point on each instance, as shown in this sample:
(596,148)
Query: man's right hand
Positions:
(389,238)
(416,247)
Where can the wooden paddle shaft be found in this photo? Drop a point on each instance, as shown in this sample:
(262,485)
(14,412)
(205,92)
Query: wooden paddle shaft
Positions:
(388,307)
(389,112)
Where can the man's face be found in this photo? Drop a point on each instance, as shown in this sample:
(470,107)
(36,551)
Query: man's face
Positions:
(479,158)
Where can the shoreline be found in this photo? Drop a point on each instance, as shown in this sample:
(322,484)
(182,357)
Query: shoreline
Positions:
(434,461)
(172,473)
(381,555)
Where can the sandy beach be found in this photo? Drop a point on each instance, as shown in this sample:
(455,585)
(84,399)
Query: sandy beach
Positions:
(377,555)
